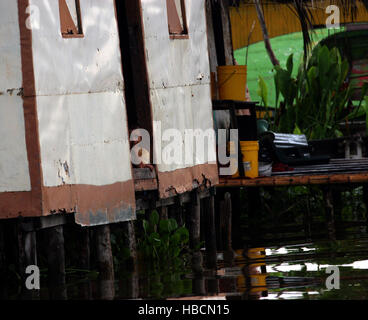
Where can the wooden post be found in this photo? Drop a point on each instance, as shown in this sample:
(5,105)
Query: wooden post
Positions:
(54,241)
(3,268)
(211,248)
(195,232)
(131,243)
(176,212)
(105,262)
(329,212)
(365,200)
(228,249)
(83,259)
(255,204)
(164,213)
(226,28)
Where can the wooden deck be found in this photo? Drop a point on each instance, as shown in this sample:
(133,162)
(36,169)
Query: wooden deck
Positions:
(338,171)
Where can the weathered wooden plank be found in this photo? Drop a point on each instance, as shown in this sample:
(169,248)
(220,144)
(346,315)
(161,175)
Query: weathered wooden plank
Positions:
(105,262)
(143,173)
(297,180)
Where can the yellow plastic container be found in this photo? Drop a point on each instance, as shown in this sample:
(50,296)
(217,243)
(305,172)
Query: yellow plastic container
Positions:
(233,161)
(232,82)
(249,151)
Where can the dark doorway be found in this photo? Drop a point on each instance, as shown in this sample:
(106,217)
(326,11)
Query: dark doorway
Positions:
(138,106)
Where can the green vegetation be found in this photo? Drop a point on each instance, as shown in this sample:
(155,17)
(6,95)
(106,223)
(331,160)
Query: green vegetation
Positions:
(259,63)
(318,99)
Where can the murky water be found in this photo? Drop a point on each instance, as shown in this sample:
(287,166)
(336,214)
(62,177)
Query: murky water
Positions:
(296,271)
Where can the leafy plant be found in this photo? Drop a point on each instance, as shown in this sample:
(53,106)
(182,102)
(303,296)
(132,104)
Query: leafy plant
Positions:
(318,99)
(163,241)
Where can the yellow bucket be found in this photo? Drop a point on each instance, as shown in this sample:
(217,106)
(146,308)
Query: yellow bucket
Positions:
(232,82)
(249,151)
(233,161)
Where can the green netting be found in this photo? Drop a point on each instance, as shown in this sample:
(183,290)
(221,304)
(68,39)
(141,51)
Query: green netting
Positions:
(259,63)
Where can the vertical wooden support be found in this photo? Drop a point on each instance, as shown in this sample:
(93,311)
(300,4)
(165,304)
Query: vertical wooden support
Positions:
(83,260)
(105,262)
(365,200)
(226,28)
(131,243)
(3,268)
(54,241)
(27,254)
(164,213)
(228,249)
(308,219)
(329,212)
(254,214)
(195,233)
(176,212)
(210,234)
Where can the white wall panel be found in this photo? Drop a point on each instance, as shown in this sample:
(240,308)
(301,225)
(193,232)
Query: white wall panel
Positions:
(178,70)
(14,172)
(80,97)
(78,132)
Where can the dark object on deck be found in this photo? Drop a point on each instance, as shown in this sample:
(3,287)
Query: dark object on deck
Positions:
(289,149)
(246,124)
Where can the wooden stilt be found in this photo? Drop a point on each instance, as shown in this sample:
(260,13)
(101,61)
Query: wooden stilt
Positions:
(308,221)
(105,262)
(176,212)
(329,212)
(164,213)
(3,268)
(54,240)
(236,218)
(228,249)
(83,260)
(365,200)
(131,243)
(195,233)
(254,214)
(210,234)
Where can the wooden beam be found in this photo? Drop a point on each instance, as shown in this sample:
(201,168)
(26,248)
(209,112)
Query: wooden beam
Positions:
(210,234)
(295,180)
(226,28)
(54,241)
(329,212)
(105,262)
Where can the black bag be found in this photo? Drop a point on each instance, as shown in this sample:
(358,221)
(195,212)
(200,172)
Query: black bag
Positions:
(290,149)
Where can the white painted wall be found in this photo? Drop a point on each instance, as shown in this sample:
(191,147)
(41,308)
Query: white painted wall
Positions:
(14,172)
(179,72)
(80,98)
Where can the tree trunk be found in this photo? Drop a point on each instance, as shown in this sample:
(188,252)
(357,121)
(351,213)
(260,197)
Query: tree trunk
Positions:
(266,38)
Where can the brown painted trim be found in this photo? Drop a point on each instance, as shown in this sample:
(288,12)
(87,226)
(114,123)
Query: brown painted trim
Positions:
(183,180)
(34,205)
(145,185)
(179,36)
(67,25)
(341,178)
(94,204)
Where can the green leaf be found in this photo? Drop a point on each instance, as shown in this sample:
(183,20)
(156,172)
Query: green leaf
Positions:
(164,226)
(173,225)
(263,91)
(154,218)
(145,225)
(290,64)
